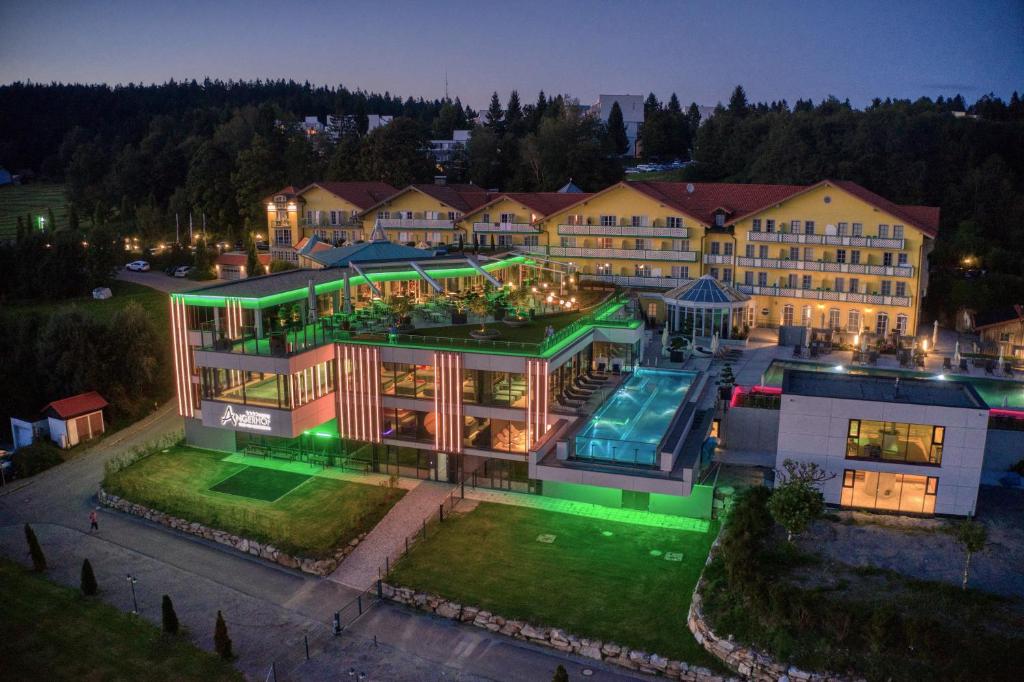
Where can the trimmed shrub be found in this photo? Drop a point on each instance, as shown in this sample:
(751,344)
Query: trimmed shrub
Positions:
(38,558)
(170,618)
(88,580)
(221,641)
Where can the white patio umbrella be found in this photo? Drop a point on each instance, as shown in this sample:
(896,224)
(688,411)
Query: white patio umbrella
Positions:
(999,363)
(935,334)
(664,336)
(956,354)
(863,343)
(312,302)
(714,343)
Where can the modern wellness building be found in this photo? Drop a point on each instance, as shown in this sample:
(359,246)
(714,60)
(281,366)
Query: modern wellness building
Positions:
(495,372)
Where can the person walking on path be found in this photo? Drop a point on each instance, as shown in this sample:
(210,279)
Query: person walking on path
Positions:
(94,524)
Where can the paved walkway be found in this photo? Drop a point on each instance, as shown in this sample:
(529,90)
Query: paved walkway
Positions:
(387,539)
(639,518)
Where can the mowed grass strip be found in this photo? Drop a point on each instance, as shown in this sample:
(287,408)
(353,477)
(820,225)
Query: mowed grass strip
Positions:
(53,633)
(311,520)
(18,201)
(260,484)
(596,579)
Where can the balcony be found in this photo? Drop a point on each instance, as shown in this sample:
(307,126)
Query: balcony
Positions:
(822,266)
(505,228)
(415,223)
(607,254)
(633,281)
(828,240)
(280,223)
(718,259)
(623,231)
(825,295)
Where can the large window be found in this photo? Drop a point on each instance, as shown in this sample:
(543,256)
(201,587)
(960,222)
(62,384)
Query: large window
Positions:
(895,442)
(494,434)
(407,381)
(246,388)
(500,389)
(891,492)
(408,424)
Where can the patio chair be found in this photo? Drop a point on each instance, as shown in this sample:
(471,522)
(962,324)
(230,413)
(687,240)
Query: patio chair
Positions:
(963,366)
(797,351)
(990,368)
(947,363)
(1008,369)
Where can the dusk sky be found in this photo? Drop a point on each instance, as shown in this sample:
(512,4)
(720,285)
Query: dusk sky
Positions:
(699,50)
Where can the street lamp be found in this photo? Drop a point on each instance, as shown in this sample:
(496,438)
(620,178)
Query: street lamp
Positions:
(135,603)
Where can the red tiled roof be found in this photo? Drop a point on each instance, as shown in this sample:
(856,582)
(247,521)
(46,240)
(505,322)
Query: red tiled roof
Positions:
(925,218)
(240,258)
(360,194)
(464,198)
(290,191)
(76,405)
(317,245)
(545,203)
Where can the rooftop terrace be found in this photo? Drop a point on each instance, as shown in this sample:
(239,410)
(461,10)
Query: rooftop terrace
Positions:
(882,389)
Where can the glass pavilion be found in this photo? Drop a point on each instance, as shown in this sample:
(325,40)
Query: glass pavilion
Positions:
(705,306)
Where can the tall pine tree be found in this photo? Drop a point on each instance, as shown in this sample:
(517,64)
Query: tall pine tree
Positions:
(493,117)
(617,130)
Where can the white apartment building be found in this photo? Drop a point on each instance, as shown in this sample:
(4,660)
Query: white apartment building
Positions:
(632,114)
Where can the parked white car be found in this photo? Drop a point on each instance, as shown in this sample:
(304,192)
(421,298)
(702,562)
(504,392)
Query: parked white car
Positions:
(138,266)
(183,270)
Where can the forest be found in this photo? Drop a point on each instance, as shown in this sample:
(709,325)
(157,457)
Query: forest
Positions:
(133,156)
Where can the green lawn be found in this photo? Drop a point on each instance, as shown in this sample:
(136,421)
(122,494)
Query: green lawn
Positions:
(310,519)
(156,304)
(258,483)
(598,578)
(54,633)
(36,198)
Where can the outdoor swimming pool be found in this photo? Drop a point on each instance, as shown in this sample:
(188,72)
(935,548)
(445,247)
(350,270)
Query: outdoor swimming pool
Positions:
(996,392)
(628,427)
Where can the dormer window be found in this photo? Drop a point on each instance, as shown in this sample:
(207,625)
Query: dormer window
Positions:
(719,220)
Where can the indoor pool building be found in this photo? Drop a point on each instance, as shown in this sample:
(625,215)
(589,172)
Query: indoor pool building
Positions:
(489,372)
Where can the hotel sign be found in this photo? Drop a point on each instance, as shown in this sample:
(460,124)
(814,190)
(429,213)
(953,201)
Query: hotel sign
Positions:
(251,420)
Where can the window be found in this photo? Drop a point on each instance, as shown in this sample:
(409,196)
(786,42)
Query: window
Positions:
(895,492)
(568,242)
(840,255)
(714,273)
(883,231)
(769,225)
(808,254)
(727,275)
(805,282)
(897,231)
(575,219)
(508,218)
(641,270)
(674,222)
(840,284)
(485,218)
(605,243)
(609,220)
(640,244)
(383,215)
(762,251)
(794,226)
(309,217)
(805,316)
(282,237)
(605,269)
(404,237)
(901,289)
(638,221)
(808,227)
(749,251)
(882,324)
(407,380)
(855,257)
(834,319)
(762,279)
(853,321)
(841,229)
(794,253)
(901,324)
(887,259)
(681,271)
(719,219)
(531,240)
(334,217)
(791,281)
(652,309)
(336,237)
(854,285)
(715,247)
(886,287)
(727,248)
(787,314)
(901,259)
(755,225)
(748,278)
(504,240)
(895,442)
(858,230)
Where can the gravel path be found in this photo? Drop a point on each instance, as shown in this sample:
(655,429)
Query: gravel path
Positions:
(387,539)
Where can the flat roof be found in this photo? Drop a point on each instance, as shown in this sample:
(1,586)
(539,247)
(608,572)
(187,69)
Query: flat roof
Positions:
(908,391)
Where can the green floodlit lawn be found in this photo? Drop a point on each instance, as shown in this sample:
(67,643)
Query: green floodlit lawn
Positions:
(311,520)
(54,633)
(592,584)
(530,333)
(35,198)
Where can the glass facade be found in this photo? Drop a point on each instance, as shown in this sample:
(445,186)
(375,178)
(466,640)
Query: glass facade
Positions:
(889,492)
(264,389)
(407,381)
(496,389)
(895,442)
(408,424)
(502,435)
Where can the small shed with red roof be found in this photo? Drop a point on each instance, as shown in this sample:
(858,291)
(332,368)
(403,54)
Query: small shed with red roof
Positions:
(75,419)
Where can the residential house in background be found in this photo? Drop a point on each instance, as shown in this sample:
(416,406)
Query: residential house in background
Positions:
(443,150)
(632,114)
(1002,332)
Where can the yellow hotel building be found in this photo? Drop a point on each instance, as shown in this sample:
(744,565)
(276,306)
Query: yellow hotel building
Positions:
(831,255)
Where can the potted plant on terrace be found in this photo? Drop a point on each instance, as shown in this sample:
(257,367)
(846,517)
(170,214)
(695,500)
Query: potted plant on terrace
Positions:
(517,298)
(400,307)
(459,314)
(481,307)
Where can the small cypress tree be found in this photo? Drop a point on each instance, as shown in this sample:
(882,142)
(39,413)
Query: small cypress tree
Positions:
(561,674)
(88,580)
(170,618)
(252,259)
(221,641)
(51,220)
(38,559)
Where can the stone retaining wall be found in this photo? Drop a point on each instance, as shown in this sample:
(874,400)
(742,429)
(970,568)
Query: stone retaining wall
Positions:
(609,652)
(751,663)
(320,567)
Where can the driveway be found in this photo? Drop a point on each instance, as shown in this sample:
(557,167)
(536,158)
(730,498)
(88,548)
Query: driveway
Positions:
(154,279)
(270,611)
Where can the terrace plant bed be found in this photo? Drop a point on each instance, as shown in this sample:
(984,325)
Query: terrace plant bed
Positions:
(594,578)
(305,515)
(532,332)
(54,633)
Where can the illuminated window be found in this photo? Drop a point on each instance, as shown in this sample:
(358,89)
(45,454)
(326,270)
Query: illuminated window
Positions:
(888,491)
(895,442)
